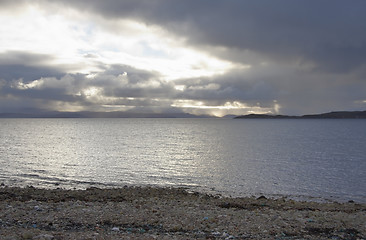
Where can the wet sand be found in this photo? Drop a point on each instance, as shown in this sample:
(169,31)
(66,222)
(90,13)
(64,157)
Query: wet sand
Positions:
(170,213)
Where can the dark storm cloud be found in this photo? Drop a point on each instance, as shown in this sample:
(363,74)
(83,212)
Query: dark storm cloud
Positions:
(134,75)
(128,82)
(235,85)
(21,65)
(47,94)
(27,73)
(310,56)
(116,85)
(330,33)
(297,91)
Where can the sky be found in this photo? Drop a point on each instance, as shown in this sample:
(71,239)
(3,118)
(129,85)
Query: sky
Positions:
(215,57)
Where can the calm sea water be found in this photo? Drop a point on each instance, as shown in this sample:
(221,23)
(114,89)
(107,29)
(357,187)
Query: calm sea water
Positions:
(323,159)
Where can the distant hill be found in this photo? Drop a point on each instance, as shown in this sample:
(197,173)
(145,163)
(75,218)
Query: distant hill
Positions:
(100,115)
(344,114)
(330,115)
(264,116)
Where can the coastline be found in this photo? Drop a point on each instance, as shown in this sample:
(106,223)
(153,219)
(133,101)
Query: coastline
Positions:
(170,213)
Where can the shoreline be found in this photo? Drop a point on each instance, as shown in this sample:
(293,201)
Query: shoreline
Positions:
(170,213)
(207,191)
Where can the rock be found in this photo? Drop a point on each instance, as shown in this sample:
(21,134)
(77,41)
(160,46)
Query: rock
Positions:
(44,237)
(38,208)
(27,235)
(261,197)
(225,235)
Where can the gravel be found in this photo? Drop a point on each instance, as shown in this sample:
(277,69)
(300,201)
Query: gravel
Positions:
(170,213)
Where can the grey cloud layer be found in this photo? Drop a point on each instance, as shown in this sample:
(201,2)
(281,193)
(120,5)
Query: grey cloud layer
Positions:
(317,48)
(329,33)
(116,85)
(310,56)
(40,86)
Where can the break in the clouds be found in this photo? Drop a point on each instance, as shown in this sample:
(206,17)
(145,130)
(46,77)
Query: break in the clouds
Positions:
(202,57)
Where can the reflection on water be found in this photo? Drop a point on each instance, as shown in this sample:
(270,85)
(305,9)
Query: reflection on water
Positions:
(322,158)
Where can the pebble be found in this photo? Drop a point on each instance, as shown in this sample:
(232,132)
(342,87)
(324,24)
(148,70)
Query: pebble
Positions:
(38,208)
(225,235)
(27,235)
(180,216)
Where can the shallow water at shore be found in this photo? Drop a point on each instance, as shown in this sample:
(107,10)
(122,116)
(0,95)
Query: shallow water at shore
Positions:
(302,159)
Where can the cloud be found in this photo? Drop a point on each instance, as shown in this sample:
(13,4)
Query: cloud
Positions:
(206,56)
(116,86)
(26,66)
(322,33)
(122,87)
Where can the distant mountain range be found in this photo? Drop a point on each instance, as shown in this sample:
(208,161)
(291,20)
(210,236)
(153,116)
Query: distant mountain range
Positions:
(99,115)
(330,115)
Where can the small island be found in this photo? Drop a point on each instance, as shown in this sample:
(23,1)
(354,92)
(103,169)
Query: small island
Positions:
(330,115)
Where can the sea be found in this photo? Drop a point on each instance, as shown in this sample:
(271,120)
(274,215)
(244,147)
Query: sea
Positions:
(301,159)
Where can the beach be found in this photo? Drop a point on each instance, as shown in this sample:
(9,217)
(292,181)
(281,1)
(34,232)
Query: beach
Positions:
(170,213)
